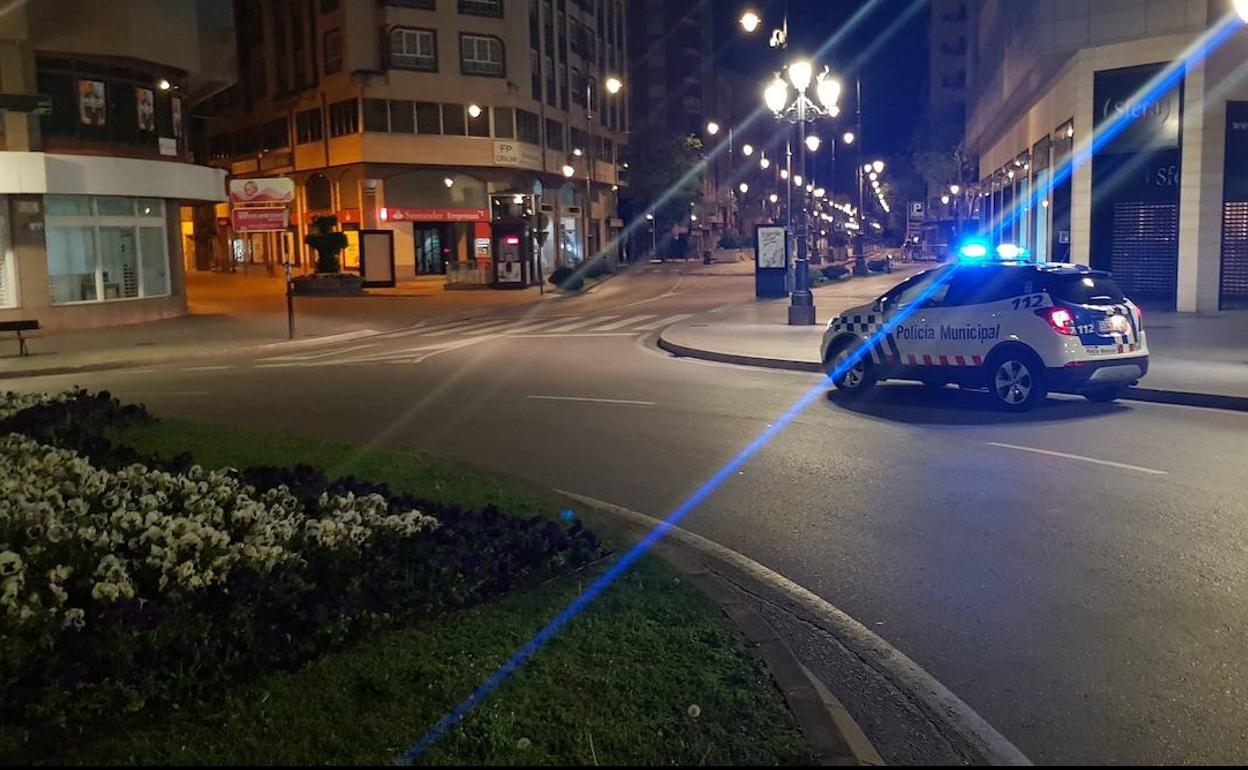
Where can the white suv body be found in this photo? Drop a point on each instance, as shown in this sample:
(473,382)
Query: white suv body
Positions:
(1018,329)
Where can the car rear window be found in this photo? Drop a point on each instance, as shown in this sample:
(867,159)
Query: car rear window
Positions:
(1085,289)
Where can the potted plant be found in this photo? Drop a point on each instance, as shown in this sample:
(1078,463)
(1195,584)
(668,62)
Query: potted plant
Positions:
(328,242)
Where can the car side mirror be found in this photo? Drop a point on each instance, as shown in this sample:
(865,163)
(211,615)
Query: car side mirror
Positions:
(879,305)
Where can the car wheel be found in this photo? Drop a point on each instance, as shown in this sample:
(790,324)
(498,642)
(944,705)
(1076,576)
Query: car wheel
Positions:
(1104,395)
(855,379)
(1016,380)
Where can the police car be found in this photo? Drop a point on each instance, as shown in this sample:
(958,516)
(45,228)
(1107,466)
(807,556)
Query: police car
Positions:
(1019,329)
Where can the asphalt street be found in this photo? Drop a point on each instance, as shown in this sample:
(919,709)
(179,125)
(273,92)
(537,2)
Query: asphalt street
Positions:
(1077,575)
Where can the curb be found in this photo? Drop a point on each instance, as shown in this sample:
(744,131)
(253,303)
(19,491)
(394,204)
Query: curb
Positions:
(938,702)
(1149,395)
(105,366)
(832,733)
(734,358)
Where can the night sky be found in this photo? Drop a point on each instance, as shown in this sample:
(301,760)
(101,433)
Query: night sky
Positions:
(891,34)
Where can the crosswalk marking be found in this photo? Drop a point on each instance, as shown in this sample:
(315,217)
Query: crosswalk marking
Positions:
(527,326)
(624,322)
(578,324)
(671,319)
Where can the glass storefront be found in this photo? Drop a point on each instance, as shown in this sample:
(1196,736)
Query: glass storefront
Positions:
(105,248)
(8,277)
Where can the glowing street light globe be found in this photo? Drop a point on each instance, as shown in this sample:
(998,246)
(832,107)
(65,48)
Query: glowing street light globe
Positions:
(828,90)
(1241,7)
(813,142)
(474,111)
(747,150)
(712,128)
(800,73)
(763,162)
(743,187)
(776,95)
(750,21)
(848,138)
(878,166)
(773,197)
(568,171)
(614,85)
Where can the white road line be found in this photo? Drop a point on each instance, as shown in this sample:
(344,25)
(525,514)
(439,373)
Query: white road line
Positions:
(463,327)
(285,365)
(207,368)
(526,326)
(323,354)
(1081,458)
(671,319)
(582,322)
(625,322)
(546,335)
(595,400)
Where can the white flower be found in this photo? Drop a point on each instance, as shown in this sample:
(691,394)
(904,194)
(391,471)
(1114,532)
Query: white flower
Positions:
(10,564)
(105,591)
(74,618)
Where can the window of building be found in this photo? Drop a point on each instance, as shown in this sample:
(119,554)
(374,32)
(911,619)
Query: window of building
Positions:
(428,118)
(102,102)
(548,25)
(504,123)
(453,120)
(376,115)
(344,117)
(480,125)
(578,141)
(528,127)
(402,117)
(333,52)
(554,134)
(482,55)
(105,248)
(413,49)
(552,91)
(535,76)
(563,86)
(492,8)
(578,87)
(535,29)
(275,135)
(308,126)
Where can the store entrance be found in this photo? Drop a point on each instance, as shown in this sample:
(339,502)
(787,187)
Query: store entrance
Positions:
(433,244)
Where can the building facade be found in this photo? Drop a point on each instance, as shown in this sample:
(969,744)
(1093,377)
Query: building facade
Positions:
(1083,159)
(424,117)
(95,158)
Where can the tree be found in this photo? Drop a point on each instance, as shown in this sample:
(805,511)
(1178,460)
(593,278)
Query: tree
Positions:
(327,242)
(665,173)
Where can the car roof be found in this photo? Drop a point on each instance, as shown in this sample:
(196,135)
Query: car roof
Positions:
(1048,268)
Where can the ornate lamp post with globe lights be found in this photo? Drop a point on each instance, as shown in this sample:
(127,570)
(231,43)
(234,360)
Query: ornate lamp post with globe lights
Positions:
(789,100)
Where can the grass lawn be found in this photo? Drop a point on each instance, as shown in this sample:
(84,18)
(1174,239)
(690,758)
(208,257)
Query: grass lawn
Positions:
(615,687)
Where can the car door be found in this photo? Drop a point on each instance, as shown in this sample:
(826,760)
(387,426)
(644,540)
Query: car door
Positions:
(912,311)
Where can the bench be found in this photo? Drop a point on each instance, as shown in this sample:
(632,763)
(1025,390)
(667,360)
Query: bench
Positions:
(17,327)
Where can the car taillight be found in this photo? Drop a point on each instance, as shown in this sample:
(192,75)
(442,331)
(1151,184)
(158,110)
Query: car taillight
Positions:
(1139,318)
(1061,319)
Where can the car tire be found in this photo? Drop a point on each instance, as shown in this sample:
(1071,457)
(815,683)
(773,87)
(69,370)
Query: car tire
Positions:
(1104,395)
(856,380)
(1015,379)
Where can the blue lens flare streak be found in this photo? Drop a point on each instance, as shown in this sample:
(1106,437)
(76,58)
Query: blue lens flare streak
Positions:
(1165,80)
(521,656)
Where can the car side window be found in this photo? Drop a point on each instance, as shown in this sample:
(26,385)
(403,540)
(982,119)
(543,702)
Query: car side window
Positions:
(905,293)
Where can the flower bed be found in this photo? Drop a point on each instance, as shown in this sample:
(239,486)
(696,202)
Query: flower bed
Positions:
(127,582)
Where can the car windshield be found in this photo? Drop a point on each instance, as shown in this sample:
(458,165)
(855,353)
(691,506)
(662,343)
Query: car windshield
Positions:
(1085,289)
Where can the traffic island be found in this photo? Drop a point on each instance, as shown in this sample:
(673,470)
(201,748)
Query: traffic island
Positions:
(651,672)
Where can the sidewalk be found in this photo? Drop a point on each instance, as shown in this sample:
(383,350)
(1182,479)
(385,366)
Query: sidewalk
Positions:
(229,313)
(1196,360)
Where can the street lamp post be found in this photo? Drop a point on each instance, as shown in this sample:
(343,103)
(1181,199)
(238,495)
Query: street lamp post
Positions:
(613,86)
(800,110)
(860,257)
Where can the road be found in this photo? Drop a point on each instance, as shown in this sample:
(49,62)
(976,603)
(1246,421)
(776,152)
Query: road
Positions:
(1078,575)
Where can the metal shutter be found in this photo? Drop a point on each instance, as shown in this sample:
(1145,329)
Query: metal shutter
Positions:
(1145,257)
(1235,254)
